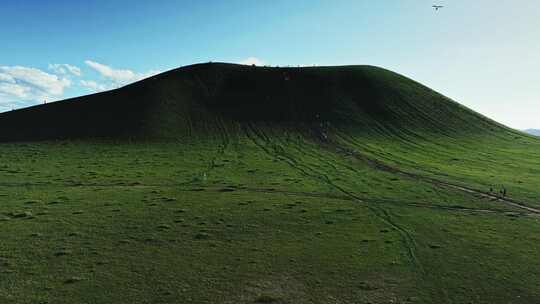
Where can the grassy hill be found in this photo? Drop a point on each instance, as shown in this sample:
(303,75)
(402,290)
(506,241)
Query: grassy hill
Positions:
(201,99)
(220,183)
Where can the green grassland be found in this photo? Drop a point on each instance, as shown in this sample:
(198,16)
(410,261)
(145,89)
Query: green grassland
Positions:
(229,184)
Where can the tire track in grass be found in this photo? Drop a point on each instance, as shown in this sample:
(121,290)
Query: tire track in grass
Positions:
(377,164)
(407,239)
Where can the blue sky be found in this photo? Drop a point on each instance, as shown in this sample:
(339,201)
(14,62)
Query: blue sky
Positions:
(484,54)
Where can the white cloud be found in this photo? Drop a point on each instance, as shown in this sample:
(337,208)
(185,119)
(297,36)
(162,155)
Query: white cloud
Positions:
(36,79)
(21,86)
(13,89)
(119,77)
(6,78)
(94,86)
(252,61)
(64,68)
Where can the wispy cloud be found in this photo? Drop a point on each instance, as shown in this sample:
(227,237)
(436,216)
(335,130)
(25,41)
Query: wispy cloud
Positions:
(6,78)
(13,89)
(25,85)
(64,68)
(119,77)
(36,79)
(252,61)
(94,86)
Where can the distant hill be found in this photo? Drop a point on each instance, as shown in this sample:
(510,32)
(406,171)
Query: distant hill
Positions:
(209,99)
(533,131)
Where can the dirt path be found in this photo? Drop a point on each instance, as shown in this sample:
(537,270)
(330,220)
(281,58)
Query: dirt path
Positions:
(377,164)
(507,201)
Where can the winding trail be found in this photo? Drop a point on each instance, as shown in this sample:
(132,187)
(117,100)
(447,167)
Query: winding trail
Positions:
(377,164)
(260,139)
(185,187)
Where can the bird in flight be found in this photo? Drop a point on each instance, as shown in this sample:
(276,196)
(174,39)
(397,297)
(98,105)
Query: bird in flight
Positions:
(437,7)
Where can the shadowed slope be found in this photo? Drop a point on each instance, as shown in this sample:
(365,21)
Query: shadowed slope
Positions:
(200,99)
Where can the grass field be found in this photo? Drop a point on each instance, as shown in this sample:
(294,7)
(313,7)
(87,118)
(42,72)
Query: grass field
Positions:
(199,196)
